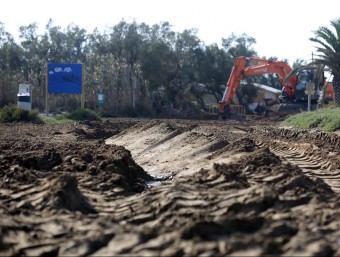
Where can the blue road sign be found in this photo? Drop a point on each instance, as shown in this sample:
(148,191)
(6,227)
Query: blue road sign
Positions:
(64,78)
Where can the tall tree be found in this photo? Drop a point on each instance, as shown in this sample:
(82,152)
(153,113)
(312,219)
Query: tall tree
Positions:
(10,66)
(329,52)
(239,45)
(213,69)
(132,46)
(35,52)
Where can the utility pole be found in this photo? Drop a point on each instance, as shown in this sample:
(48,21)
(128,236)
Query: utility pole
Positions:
(309,86)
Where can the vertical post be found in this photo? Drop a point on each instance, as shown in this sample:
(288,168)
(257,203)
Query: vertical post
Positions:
(309,88)
(134,86)
(46,94)
(82,97)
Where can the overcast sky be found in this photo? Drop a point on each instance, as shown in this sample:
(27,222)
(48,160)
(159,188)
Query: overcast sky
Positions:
(281,28)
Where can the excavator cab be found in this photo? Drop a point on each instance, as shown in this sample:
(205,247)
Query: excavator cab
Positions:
(304,76)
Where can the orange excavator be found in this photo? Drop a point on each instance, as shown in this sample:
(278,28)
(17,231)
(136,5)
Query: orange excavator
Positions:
(294,93)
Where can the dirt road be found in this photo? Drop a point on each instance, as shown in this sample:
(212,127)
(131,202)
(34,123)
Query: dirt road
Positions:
(168,187)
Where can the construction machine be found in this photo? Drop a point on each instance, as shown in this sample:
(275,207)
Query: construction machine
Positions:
(299,86)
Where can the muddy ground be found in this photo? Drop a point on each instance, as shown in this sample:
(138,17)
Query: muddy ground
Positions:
(168,188)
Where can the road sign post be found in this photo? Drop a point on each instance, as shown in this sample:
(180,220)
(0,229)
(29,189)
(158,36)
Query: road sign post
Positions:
(63,78)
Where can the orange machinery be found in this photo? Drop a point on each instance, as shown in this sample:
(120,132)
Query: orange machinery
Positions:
(293,81)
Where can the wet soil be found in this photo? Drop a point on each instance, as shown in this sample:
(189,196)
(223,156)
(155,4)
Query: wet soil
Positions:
(139,187)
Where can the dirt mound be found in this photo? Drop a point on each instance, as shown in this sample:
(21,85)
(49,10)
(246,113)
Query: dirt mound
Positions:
(95,130)
(14,175)
(320,147)
(322,139)
(264,168)
(57,151)
(55,193)
(63,193)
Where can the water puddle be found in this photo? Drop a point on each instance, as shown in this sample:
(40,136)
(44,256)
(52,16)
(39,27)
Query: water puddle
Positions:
(158,181)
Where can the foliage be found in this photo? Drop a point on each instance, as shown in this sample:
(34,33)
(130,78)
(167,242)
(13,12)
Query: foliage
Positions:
(298,63)
(327,119)
(329,52)
(239,45)
(55,119)
(12,113)
(83,114)
(132,64)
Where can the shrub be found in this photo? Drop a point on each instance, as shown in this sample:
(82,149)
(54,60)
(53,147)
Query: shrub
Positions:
(12,113)
(55,119)
(83,114)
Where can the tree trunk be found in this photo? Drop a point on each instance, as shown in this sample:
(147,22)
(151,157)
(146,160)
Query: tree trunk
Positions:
(336,88)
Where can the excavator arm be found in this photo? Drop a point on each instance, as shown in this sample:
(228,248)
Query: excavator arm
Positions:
(261,67)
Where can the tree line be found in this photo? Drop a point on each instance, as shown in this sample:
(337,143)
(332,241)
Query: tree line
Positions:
(140,69)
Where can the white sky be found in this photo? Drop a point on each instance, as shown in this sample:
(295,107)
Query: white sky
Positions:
(281,28)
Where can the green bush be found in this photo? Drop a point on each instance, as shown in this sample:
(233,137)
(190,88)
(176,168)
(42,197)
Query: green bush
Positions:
(55,119)
(327,119)
(12,113)
(83,114)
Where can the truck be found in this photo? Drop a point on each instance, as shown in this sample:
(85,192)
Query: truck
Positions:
(300,87)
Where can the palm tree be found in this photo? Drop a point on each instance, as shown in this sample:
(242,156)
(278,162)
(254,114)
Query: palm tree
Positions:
(329,50)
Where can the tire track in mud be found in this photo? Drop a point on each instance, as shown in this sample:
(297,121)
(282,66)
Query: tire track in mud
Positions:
(308,156)
(251,204)
(224,209)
